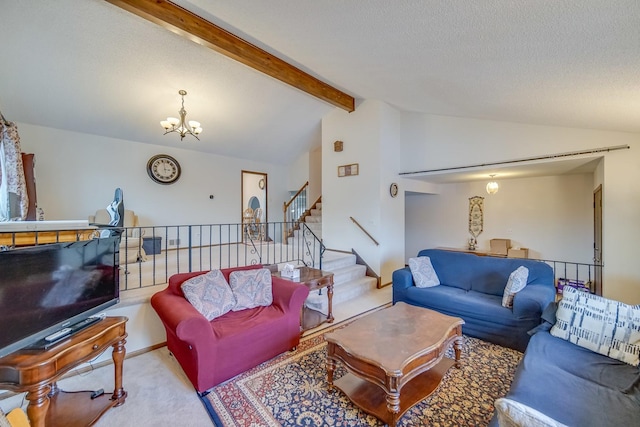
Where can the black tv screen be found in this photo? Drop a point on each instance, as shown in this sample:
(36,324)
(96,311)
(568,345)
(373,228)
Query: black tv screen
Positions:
(49,287)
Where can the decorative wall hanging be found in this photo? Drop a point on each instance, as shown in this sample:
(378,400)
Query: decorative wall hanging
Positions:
(337,146)
(476,220)
(348,170)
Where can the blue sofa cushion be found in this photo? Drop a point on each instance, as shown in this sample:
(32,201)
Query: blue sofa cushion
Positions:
(548,319)
(466,304)
(451,271)
(488,275)
(576,386)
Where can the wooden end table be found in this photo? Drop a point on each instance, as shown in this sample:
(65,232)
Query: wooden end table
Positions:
(314,279)
(394,358)
(36,372)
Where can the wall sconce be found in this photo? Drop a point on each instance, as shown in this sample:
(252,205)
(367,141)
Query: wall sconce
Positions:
(337,146)
(492,186)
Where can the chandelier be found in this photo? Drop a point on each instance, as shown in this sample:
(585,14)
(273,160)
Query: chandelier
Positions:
(492,186)
(180,125)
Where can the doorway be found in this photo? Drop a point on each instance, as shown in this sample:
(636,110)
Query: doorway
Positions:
(254,212)
(597,240)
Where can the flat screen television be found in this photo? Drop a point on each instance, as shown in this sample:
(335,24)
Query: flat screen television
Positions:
(48,288)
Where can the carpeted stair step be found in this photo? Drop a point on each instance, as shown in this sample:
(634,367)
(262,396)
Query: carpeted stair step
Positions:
(316,228)
(346,274)
(342,292)
(349,280)
(333,260)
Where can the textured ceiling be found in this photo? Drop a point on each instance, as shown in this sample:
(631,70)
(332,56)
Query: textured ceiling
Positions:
(89,66)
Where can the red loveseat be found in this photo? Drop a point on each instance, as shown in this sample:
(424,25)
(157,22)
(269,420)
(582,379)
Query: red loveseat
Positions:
(213,352)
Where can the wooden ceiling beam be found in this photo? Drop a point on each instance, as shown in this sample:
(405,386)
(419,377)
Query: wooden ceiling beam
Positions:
(201,31)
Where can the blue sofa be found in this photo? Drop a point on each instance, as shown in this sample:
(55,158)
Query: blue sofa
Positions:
(573,385)
(471,287)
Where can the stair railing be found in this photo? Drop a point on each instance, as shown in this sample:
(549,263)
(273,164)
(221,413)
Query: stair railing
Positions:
(294,210)
(313,245)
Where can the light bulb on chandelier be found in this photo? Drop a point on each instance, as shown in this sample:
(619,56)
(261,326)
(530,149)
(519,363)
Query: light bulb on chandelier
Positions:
(492,186)
(173,124)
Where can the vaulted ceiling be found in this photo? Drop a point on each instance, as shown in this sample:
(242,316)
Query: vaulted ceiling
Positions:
(93,67)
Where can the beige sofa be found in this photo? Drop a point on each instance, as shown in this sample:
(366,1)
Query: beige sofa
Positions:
(131,249)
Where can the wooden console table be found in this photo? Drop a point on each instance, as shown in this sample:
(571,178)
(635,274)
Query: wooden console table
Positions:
(314,279)
(36,372)
(42,237)
(475,252)
(30,233)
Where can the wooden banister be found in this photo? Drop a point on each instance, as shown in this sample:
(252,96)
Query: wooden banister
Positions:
(287,204)
(364,231)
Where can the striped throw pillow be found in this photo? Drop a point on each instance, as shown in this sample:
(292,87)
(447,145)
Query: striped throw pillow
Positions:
(602,325)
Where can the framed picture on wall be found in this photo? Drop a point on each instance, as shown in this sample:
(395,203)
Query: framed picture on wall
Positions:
(348,170)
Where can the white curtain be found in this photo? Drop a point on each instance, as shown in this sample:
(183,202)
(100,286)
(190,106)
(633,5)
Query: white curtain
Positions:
(14,201)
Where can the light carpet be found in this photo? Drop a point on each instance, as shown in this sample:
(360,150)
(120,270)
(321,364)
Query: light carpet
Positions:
(291,390)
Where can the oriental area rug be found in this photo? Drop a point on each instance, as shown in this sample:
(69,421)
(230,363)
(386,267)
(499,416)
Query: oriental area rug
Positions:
(291,390)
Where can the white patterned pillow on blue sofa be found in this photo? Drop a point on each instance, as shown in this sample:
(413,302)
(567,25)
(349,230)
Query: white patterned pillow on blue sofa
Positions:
(602,325)
(517,281)
(210,294)
(424,275)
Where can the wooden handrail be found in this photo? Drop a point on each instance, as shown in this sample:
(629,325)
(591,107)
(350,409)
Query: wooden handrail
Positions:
(364,231)
(287,204)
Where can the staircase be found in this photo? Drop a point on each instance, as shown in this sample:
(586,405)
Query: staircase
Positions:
(350,279)
(314,220)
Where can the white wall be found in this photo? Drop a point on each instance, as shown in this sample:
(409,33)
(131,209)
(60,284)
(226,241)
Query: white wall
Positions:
(298,172)
(315,174)
(551,216)
(352,196)
(76,174)
(370,138)
(621,227)
(392,226)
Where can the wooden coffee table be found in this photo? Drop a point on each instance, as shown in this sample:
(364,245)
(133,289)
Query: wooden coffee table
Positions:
(394,358)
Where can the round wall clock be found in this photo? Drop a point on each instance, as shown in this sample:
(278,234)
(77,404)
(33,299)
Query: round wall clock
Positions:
(393,190)
(163,169)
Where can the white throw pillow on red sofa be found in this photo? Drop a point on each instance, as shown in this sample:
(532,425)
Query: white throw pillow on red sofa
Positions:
(210,294)
(251,288)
